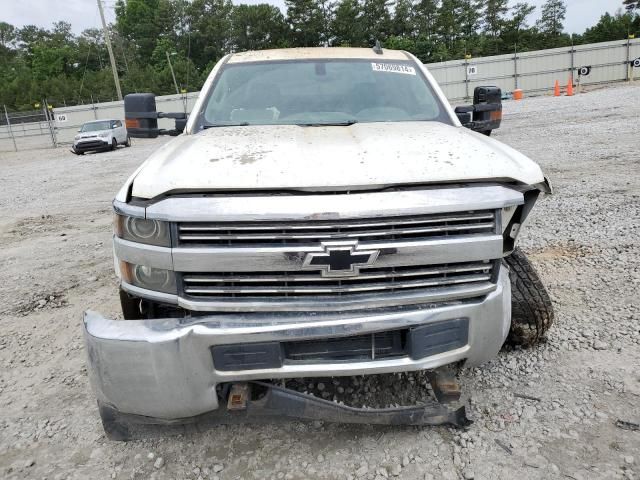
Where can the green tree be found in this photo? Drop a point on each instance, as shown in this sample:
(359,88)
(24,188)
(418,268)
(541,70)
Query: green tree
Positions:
(92,52)
(143,22)
(256,27)
(447,24)
(516,28)
(8,35)
(521,11)
(61,34)
(553,14)
(494,16)
(210,22)
(347,28)
(306,23)
(49,62)
(613,27)
(327,13)
(376,20)
(29,37)
(494,22)
(426,14)
(402,24)
(469,15)
(424,49)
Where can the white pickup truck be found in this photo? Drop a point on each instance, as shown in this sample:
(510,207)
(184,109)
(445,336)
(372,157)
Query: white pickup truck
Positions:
(324,212)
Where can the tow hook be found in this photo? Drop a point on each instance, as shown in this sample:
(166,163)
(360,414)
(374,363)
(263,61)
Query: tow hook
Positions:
(238,397)
(445,385)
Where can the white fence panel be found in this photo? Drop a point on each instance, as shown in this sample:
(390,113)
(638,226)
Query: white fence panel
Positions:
(537,72)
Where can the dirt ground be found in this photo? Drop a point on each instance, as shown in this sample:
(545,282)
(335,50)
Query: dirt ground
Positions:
(549,412)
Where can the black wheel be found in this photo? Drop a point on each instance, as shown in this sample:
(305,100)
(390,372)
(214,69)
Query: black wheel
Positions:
(114,428)
(128,142)
(130,306)
(114,144)
(487,133)
(531,308)
(78,153)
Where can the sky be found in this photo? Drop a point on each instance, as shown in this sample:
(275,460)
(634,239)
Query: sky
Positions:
(83,14)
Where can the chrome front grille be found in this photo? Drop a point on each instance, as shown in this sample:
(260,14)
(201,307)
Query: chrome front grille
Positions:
(288,252)
(312,284)
(415,227)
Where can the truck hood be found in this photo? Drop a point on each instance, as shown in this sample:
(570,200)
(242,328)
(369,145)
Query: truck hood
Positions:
(366,155)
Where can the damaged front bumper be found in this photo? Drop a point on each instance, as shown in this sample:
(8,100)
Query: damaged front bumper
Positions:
(169,369)
(276,404)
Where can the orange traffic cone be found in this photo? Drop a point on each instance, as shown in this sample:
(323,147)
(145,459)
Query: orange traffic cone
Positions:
(556,90)
(570,87)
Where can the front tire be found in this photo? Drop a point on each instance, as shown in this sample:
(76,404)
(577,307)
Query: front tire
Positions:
(114,144)
(531,308)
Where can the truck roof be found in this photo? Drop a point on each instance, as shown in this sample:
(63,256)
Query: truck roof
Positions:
(316,53)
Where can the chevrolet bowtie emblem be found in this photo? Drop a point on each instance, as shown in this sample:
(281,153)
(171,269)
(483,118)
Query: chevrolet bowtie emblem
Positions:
(340,259)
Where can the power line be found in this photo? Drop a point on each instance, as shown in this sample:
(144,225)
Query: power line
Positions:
(86,62)
(112,59)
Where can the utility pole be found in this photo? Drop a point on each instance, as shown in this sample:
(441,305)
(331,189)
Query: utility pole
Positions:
(172,72)
(107,40)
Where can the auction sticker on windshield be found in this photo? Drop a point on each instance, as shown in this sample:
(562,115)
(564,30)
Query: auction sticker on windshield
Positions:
(393,68)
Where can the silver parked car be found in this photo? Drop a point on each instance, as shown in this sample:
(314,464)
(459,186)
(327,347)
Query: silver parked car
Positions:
(100,135)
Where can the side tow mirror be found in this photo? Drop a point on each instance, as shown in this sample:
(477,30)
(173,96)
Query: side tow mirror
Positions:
(181,124)
(464,114)
(141,117)
(485,114)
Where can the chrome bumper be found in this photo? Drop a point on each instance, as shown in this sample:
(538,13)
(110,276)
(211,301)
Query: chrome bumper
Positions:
(164,368)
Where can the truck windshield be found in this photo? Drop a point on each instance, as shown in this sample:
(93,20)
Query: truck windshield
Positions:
(96,126)
(328,92)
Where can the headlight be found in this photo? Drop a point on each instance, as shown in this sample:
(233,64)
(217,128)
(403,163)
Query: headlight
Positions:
(104,134)
(150,278)
(77,137)
(143,230)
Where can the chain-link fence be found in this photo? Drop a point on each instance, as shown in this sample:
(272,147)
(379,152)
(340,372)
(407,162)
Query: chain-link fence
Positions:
(27,130)
(49,127)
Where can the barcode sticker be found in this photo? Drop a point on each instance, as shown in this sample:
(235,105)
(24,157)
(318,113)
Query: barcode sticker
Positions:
(393,68)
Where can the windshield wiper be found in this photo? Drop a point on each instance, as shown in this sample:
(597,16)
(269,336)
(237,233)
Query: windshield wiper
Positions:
(344,123)
(217,125)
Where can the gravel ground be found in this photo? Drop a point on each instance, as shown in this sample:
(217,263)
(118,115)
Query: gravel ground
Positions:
(546,412)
